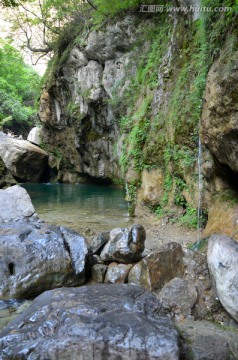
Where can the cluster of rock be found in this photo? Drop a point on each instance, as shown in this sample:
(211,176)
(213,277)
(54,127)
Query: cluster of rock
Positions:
(119,256)
(117,319)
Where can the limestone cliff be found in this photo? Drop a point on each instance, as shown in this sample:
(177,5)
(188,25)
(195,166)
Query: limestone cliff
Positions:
(124,102)
(76,108)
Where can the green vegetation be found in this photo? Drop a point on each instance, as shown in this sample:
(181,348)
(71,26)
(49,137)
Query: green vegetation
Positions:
(169,139)
(18,90)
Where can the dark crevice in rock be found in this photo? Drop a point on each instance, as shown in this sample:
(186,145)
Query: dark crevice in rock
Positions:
(11,268)
(66,245)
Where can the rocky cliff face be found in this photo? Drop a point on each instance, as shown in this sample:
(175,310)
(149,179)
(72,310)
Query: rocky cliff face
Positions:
(126,102)
(76,109)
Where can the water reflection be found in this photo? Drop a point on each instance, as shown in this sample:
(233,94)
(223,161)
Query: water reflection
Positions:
(80,206)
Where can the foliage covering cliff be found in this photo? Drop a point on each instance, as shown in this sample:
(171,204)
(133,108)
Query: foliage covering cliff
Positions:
(122,101)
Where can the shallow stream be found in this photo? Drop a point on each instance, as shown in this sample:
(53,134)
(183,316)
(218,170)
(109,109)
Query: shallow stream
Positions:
(80,207)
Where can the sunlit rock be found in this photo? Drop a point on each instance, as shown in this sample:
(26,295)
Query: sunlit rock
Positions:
(222,257)
(34,135)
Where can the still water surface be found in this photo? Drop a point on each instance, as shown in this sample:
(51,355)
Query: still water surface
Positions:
(80,206)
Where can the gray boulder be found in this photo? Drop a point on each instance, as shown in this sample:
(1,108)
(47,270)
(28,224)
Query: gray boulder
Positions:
(178,297)
(203,340)
(125,245)
(159,267)
(92,322)
(35,257)
(222,257)
(15,204)
(23,159)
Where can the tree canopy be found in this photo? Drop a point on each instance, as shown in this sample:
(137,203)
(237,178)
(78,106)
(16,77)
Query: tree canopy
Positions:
(18,88)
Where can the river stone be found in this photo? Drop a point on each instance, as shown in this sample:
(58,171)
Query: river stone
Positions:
(204,340)
(35,257)
(15,204)
(117,273)
(92,322)
(178,297)
(98,272)
(159,267)
(98,242)
(222,257)
(125,245)
(23,159)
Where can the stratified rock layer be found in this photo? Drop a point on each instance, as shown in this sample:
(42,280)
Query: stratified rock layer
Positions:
(92,322)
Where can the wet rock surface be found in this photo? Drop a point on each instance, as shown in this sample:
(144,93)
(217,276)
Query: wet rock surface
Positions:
(100,321)
(23,159)
(35,257)
(125,245)
(222,257)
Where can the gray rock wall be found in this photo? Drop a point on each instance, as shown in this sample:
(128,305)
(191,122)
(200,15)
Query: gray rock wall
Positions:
(78,106)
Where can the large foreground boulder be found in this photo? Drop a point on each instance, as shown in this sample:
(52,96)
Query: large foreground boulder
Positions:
(23,159)
(35,257)
(92,322)
(222,257)
(15,204)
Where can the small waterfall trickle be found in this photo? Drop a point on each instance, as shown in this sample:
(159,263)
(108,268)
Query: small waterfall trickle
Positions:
(200,193)
(127,198)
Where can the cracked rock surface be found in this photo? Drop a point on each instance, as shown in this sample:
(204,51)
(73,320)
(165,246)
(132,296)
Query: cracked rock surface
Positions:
(92,322)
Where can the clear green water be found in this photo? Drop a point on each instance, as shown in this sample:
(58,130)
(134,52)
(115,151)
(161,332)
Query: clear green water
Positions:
(80,206)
